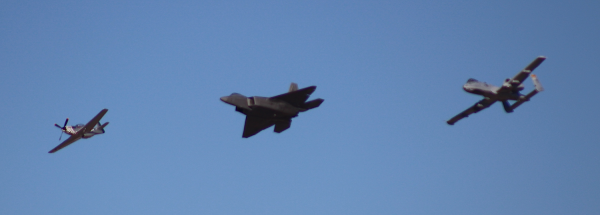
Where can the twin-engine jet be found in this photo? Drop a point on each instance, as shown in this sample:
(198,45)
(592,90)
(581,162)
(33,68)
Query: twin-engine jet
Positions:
(262,112)
(93,127)
(509,91)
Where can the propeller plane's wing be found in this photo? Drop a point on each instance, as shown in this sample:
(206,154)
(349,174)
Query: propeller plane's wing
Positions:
(88,127)
(255,124)
(480,105)
(67,142)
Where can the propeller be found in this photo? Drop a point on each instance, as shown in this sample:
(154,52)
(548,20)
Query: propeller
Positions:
(63,128)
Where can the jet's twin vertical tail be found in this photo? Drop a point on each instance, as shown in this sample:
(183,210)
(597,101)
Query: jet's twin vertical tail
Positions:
(536,83)
(293,87)
(538,88)
(296,96)
(307,105)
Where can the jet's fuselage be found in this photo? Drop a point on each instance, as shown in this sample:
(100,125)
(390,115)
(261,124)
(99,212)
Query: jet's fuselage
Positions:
(261,106)
(490,91)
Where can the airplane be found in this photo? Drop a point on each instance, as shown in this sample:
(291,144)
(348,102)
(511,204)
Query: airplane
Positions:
(262,112)
(93,127)
(509,91)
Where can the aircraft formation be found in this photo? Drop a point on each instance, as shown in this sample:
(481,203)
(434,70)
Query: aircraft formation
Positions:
(264,112)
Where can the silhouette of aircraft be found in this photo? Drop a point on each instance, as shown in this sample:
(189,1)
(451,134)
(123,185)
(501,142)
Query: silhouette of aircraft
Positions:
(264,112)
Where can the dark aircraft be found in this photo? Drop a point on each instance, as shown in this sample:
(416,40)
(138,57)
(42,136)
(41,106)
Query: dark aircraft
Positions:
(93,127)
(262,112)
(509,91)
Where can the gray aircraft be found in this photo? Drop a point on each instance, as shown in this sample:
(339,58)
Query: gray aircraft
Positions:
(509,91)
(262,112)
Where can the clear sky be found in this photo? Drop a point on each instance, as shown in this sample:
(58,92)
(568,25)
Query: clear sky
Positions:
(390,72)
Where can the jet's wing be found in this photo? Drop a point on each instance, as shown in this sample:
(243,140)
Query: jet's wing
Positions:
(67,142)
(282,125)
(296,98)
(255,124)
(480,105)
(522,75)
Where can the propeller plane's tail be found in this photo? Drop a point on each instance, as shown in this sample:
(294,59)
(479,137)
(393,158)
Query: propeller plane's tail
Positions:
(100,128)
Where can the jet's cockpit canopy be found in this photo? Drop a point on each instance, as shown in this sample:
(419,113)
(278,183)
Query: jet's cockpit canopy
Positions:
(472,80)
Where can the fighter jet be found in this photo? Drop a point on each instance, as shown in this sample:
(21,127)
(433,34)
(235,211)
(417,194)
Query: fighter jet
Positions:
(262,112)
(93,127)
(509,91)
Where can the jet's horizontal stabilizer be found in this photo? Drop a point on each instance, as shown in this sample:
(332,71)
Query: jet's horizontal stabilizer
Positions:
(313,104)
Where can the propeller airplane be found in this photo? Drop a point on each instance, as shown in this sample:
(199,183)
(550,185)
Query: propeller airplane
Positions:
(93,127)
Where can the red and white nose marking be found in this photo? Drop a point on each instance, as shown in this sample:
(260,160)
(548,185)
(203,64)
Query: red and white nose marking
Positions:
(70,130)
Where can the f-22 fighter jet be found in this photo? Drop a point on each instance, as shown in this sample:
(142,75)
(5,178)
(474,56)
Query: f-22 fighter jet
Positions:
(262,112)
(509,91)
(93,127)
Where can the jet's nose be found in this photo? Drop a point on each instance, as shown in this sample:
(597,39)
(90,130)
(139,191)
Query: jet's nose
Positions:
(224,98)
(467,88)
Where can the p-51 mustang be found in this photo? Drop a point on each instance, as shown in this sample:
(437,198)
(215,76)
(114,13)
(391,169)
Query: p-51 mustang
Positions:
(93,127)
(509,91)
(262,112)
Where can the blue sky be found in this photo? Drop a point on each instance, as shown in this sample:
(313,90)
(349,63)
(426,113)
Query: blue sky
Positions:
(390,72)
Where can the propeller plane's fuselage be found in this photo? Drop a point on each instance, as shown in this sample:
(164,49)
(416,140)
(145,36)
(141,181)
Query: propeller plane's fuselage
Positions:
(71,130)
